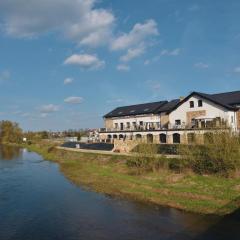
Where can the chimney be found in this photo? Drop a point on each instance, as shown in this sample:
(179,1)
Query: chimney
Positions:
(181,98)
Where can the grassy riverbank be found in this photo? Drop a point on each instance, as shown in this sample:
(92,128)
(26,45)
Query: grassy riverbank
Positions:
(111,175)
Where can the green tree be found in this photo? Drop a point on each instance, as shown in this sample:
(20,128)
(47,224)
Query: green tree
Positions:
(10,132)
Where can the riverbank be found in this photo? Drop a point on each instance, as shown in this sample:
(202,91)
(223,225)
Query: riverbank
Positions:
(110,175)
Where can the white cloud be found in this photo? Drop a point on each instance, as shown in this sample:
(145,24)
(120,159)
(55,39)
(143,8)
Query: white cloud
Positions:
(236,69)
(67,81)
(156,86)
(85,61)
(78,20)
(201,65)
(73,100)
(174,52)
(50,108)
(194,8)
(123,67)
(117,100)
(133,53)
(137,35)
(43,115)
(147,62)
(5,75)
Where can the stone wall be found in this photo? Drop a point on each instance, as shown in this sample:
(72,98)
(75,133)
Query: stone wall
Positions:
(164,119)
(108,123)
(124,146)
(194,114)
(238,119)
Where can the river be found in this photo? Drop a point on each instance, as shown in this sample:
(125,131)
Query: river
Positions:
(37,202)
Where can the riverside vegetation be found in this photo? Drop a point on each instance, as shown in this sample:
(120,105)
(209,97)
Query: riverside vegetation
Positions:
(205,180)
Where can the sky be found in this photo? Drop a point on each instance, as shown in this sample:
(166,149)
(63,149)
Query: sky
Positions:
(66,63)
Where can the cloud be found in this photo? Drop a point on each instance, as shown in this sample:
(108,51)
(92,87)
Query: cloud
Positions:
(147,62)
(85,61)
(194,8)
(174,52)
(78,20)
(50,108)
(118,100)
(43,115)
(236,70)
(132,53)
(73,100)
(139,34)
(201,65)
(5,75)
(123,67)
(156,86)
(67,81)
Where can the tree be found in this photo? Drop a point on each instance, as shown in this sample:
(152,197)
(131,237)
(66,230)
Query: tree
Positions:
(10,132)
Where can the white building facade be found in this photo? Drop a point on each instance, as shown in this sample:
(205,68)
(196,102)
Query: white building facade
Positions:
(176,121)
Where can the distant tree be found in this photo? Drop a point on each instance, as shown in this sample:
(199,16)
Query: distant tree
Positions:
(44,135)
(10,132)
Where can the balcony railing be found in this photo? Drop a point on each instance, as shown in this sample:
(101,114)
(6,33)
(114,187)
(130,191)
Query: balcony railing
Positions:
(168,127)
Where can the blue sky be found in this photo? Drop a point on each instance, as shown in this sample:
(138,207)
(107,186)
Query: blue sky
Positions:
(65,63)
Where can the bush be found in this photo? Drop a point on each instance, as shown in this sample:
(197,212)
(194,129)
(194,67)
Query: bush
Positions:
(169,149)
(219,155)
(146,158)
(177,164)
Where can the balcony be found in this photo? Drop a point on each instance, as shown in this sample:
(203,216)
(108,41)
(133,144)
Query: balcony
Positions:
(137,128)
(196,124)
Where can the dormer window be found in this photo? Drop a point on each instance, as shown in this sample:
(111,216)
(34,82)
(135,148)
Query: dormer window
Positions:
(146,109)
(132,111)
(191,104)
(119,112)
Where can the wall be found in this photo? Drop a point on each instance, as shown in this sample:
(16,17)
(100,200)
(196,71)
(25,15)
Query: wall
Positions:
(211,109)
(164,119)
(108,123)
(238,119)
(137,119)
(124,146)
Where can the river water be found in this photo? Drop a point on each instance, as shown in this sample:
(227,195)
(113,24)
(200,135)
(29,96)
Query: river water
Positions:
(38,203)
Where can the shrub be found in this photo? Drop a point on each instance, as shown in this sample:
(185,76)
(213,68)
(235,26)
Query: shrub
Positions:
(146,158)
(169,149)
(177,164)
(219,155)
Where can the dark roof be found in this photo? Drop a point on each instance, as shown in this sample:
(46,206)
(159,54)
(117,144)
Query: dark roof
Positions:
(139,109)
(228,100)
(169,106)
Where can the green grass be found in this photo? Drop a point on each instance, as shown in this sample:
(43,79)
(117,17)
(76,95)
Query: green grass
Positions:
(110,175)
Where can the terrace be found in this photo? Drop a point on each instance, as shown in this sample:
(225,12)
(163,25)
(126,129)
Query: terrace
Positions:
(196,123)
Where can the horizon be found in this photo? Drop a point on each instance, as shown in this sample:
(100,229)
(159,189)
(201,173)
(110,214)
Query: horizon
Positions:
(65,64)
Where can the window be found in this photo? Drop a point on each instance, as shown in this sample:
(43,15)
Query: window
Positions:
(200,103)
(146,109)
(178,122)
(116,125)
(141,123)
(232,119)
(191,104)
(128,124)
(132,111)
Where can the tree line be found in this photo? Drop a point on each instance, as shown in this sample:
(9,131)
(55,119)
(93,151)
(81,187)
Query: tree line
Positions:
(10,132)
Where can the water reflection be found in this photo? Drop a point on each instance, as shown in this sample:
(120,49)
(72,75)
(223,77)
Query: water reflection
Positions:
(38,202)
(9,152)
